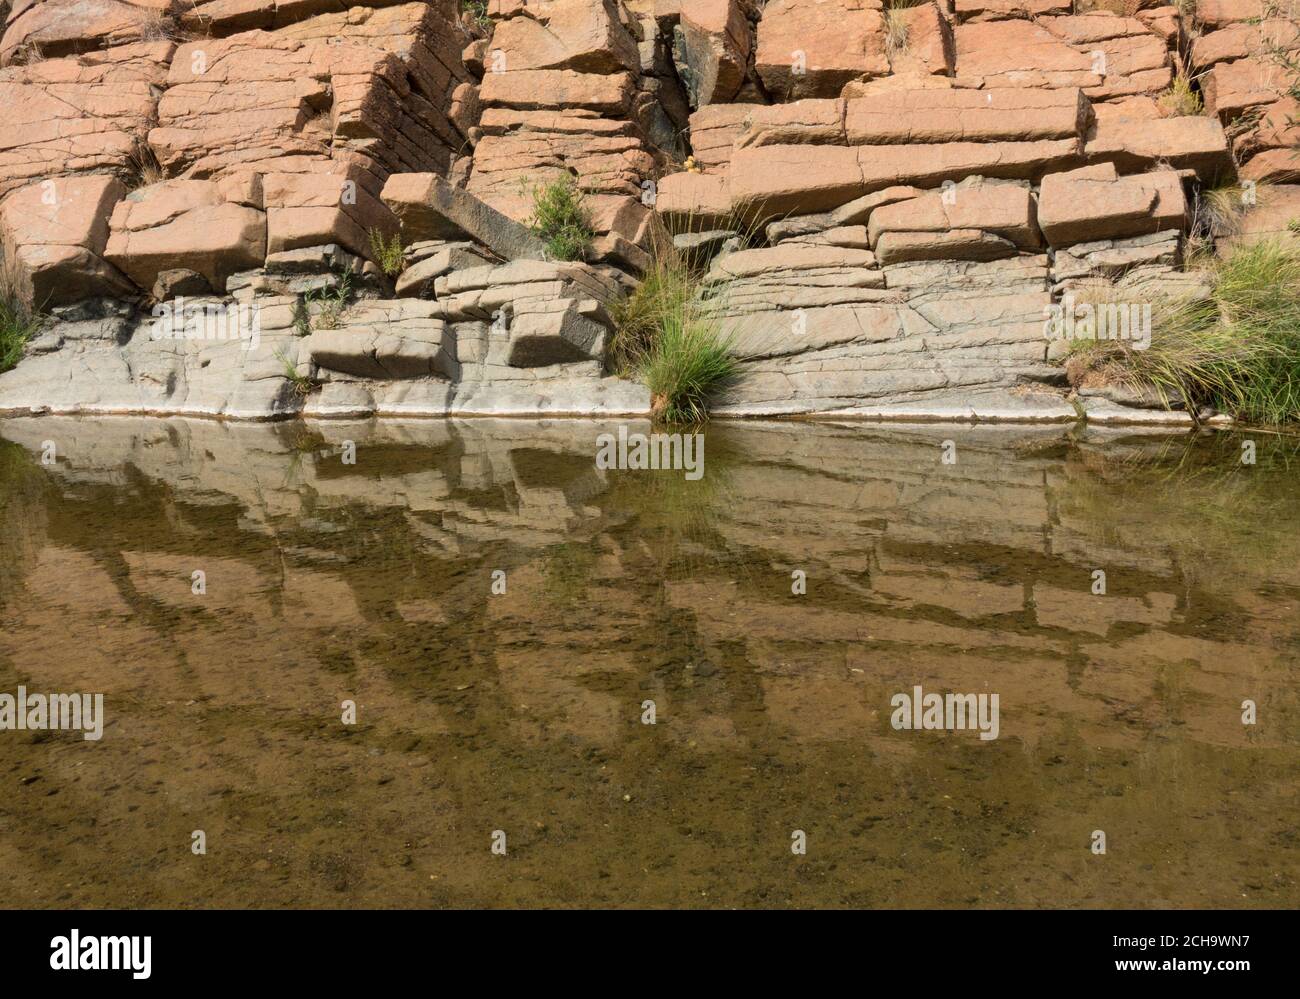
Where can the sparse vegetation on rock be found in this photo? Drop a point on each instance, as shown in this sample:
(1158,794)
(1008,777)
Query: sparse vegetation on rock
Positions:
(387,252)
(562,220)
(17,326)
(1237,350)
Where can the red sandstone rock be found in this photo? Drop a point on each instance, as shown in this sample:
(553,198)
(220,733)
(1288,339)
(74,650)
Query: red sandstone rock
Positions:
(1003,209)
(938,115)
(582,35)
(777,180)
(85,114)
(925,43)
(1095,203)
(184,224)
(1193,142)
(1232,88)
(711,50)
(53,234)
(811,48)
(63,27)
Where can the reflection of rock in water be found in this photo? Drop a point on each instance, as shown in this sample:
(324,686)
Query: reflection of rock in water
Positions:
(22,517)
(371,582)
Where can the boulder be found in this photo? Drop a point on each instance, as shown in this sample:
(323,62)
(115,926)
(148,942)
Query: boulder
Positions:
(711,48)
(954,244)
(923,42)
(714,130)
(1129,56)
(1241,41)
(814,121)
(1193,143)
(582,35)
(533,90)
(1021,54)
(1273,166)
(812,48)
(1214,14)
(322,206)
(779,180)
(694,202)
(387,340)
(53,235)
(179,283)
(65,27)
(1002,209)
(543,332)
(184,224)
(1094,203)
(427,207)
(418,279)
(1232,88)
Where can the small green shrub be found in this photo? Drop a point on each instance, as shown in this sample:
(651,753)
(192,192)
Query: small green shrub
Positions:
(18,324)
(478,12)
(330,303)
(562,220)
(688,362)
(1181,99)
(387,253)
(663,292)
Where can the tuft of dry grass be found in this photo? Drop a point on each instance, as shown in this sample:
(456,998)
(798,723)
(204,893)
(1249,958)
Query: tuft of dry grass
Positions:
(143,168)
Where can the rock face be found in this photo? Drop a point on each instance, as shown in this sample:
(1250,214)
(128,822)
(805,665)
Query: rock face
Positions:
(884,200)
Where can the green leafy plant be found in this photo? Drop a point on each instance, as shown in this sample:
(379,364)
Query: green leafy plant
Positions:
(562,220)
(387,252)
(478,13)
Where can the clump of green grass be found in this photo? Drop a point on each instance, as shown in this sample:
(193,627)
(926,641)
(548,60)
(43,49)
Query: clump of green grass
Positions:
(18,324)
(387,253)
(330,303)
(1238,351)
(562,220)
(670,335)
(1181,99)
(664,291)
(302,384)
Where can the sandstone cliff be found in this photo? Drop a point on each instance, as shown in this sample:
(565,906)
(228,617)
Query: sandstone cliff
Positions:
(890,197)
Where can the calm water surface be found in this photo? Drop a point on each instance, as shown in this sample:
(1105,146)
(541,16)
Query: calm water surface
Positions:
(522,712)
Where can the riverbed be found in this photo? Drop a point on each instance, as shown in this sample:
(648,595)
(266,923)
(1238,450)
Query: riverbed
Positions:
(506,619)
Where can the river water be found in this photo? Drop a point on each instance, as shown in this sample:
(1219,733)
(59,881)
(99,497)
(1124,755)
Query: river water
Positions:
(519,719)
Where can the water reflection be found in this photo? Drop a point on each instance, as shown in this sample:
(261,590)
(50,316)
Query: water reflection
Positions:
(522,712)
